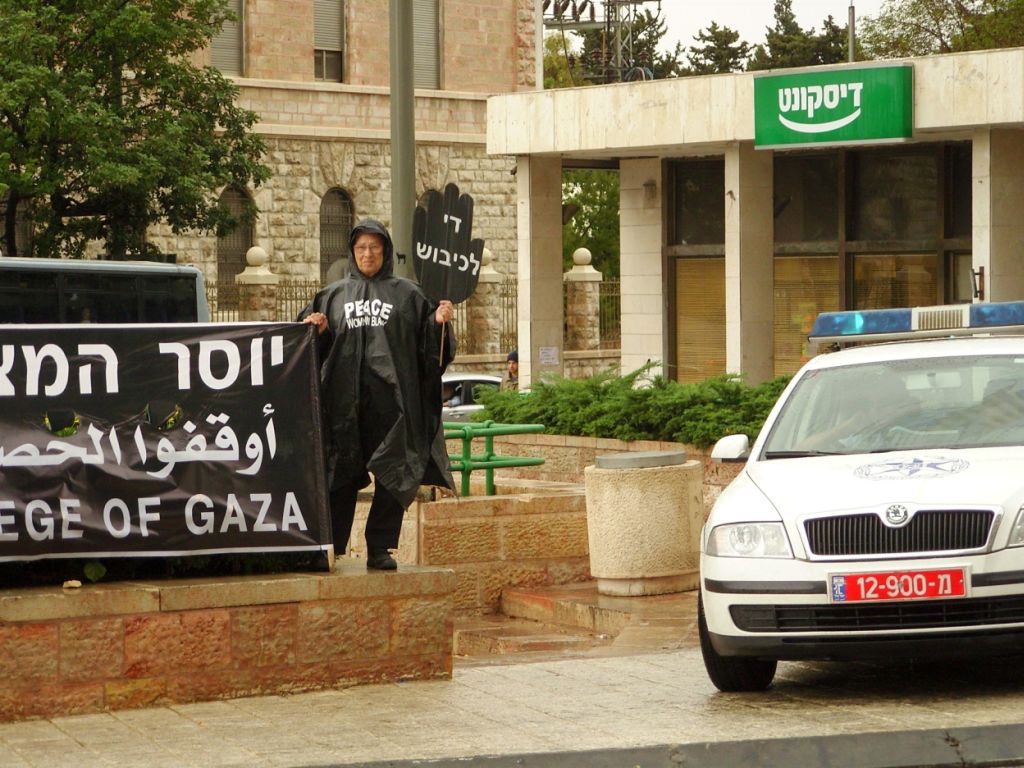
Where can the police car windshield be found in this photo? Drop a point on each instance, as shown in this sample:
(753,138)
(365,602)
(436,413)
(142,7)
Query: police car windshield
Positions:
(943,402)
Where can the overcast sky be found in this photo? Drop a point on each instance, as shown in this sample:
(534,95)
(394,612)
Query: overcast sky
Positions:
(750,18)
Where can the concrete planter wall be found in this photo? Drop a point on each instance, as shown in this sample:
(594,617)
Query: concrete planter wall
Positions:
(644,521)
(566,457)
(127,645)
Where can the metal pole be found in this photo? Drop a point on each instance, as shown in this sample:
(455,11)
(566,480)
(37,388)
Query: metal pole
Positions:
(851,34)
(403,136)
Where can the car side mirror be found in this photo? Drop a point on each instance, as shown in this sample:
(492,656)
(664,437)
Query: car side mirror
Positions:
(731,448)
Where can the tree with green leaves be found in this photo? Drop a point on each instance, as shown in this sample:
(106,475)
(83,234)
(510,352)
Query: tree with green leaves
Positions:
(720,50)
(787,44)
(107,126)
(594,196)
(923,27)
(561,61)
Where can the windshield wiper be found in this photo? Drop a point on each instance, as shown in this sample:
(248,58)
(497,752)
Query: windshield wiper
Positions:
(799,454)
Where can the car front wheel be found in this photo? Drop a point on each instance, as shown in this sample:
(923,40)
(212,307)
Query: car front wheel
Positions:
(732,673)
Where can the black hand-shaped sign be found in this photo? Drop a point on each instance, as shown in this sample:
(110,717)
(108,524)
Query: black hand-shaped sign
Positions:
(447,260)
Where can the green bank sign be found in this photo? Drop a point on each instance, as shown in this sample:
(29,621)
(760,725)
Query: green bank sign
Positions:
(852,105)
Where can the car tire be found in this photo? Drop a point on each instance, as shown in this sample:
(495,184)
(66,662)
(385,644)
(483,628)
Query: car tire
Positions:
(732,673)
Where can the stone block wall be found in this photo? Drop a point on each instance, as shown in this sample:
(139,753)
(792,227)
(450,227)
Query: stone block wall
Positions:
(118,646)
(288,225)
(530,534)
(494,542)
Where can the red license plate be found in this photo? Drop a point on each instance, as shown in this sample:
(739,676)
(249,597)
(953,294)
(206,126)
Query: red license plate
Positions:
(897,585)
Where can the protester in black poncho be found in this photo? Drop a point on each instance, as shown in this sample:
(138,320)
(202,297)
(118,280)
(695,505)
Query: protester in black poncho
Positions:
(380,342)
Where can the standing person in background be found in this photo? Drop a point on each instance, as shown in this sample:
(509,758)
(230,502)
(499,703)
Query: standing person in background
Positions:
(383,353)
(511,378)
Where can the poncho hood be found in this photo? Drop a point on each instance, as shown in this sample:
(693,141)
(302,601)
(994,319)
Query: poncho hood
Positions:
(371,226)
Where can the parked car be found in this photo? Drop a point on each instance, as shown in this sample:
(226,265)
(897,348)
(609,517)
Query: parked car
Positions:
(459,394)
(880,512)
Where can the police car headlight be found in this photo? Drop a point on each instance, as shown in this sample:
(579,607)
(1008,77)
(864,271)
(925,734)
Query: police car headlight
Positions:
(749,540)
(1017,532)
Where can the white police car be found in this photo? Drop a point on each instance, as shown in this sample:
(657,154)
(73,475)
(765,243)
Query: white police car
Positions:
(880,513)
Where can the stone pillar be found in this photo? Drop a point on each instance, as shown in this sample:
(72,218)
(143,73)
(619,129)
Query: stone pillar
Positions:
(749,268)
(539,222)
(483,311)
(583,303)
(998,198)
(640,264)
(257,288)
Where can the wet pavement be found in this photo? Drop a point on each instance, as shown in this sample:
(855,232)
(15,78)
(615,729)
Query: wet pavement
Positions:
(638,702)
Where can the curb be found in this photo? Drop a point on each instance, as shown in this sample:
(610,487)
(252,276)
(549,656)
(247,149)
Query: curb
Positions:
(999,745)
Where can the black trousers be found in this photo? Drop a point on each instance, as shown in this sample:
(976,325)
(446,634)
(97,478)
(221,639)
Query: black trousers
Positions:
(383,525)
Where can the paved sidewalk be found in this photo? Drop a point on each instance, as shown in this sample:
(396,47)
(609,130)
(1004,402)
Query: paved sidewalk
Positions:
(644,689)
(542,707)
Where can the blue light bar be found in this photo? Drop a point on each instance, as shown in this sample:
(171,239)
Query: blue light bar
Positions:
(861,322)
(997,314)
(903,323)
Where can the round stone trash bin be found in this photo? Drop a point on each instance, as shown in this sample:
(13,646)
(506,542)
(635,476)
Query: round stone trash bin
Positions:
(644,515)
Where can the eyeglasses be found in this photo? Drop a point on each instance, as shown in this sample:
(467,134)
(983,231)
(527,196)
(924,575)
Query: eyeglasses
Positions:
(369,248)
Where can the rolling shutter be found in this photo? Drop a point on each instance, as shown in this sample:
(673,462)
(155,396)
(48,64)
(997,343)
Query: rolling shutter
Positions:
(328,24)
(226,47)
(700,319)
(426,44)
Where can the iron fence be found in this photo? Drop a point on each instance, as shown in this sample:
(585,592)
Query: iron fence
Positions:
(294,295)
(610,314)
(292,298)
(509,314)
(223,300)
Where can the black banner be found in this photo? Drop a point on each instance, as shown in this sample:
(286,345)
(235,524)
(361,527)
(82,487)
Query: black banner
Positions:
(159,440)
(448,259)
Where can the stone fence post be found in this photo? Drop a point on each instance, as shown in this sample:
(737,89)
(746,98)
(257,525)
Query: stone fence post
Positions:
(483,311)
(583,303)
(257,288)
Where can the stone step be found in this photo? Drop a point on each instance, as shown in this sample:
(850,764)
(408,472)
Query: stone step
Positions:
(573,605)
(502,636)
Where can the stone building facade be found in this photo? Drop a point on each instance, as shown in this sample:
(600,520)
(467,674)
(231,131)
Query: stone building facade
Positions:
(334,137)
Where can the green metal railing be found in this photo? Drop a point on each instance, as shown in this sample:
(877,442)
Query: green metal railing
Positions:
(467,461)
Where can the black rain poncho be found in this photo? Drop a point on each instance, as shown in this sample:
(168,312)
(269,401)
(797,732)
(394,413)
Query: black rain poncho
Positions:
(381,379)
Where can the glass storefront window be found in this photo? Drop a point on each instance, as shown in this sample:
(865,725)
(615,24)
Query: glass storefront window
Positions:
(898,280)
(806,198)
(700,319)
(698,202)
(804,286)
(958,190)
(894,195)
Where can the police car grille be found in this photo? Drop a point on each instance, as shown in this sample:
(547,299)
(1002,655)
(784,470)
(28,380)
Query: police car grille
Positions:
(934,530)
(920,614)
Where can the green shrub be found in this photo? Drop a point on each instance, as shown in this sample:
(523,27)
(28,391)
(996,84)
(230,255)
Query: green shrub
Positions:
(638,406)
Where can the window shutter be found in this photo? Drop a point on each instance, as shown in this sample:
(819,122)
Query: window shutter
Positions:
(804,286)
(426,44)
(328,23)
(226,47)
(700,319)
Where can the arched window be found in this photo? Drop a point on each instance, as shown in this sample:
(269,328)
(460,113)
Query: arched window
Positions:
(336,220)
(231,248)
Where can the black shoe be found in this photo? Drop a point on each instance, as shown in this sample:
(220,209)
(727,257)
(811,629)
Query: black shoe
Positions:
(381,560)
